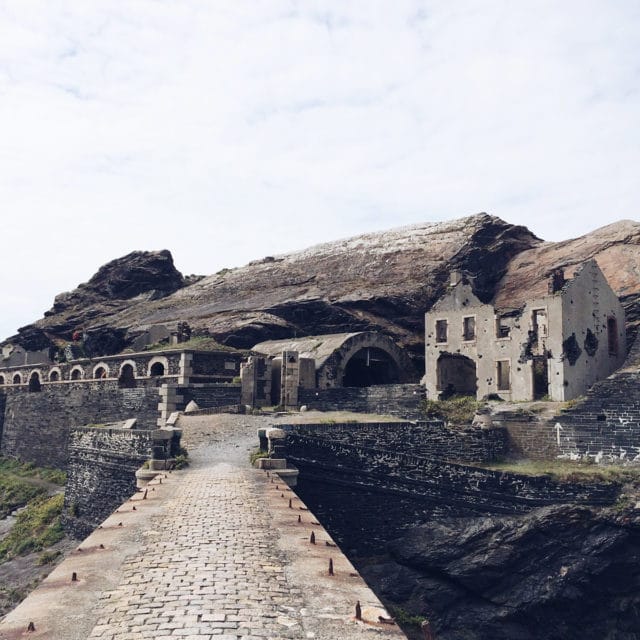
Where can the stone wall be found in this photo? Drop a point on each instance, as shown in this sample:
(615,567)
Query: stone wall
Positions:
(606,426)
(101,474)
(212,395)
(528,436)
(430,439)
(345,485)
(401,400)
(36,424)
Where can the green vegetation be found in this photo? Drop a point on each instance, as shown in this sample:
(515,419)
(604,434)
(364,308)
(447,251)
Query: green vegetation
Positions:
(36,528)
(182,459)
(404,618)
(196,343)
(47,557)
(20,483)
(256,455)
(457,410)
(568,471)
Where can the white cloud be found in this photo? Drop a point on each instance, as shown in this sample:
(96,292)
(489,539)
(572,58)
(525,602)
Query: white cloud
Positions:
(229,131)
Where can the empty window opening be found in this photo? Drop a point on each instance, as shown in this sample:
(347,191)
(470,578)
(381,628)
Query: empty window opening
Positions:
(17,379)
(469,328)
(157,369)
(127,379)
(100,373)
(612,336)
(76,374)
(34,382)
(540,377)
(441,330)
(502,330)
(503,375)
(370,366)
(456,376)
(54,376)
(1,380)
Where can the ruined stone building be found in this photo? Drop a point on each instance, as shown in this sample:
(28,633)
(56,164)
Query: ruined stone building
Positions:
(354,360)
(552,338)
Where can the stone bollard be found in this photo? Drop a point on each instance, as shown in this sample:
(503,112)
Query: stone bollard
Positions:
(276,438)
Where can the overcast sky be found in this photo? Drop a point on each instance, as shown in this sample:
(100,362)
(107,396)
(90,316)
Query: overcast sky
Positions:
(228,130)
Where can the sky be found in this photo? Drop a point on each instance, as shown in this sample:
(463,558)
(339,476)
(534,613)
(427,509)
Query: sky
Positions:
(228,131)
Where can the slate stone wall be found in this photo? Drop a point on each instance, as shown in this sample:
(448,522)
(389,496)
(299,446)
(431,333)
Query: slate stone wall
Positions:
(401,400)
(528,436)
(212,395)
(101,474)
(36,425)
(606,426)
(430,439)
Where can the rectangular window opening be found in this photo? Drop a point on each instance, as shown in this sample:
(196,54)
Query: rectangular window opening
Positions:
(612,336)
(503,374)
(469,328)
(441,330)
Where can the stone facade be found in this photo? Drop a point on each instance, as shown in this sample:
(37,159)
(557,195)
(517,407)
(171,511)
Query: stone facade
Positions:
(36,425)
(331,361)
(402,400)
(556,346)
(101,472)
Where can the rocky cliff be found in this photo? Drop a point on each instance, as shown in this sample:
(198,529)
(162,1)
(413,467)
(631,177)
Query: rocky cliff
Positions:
(381,281)
(563,572)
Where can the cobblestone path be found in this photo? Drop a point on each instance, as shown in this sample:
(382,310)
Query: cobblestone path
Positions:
(209,568)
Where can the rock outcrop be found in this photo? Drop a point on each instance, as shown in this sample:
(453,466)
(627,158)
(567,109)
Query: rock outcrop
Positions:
(380,281)
(565,572)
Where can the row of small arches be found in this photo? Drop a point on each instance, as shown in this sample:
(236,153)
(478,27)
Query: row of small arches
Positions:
(126,375)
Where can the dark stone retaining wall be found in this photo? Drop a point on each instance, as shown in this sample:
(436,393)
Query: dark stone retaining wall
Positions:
(430,439)
(101,474)
(607,422)
(528,436)
(375,494)
(36,425)
(401,400)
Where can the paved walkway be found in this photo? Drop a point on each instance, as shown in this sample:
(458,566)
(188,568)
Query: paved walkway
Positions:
(221,557)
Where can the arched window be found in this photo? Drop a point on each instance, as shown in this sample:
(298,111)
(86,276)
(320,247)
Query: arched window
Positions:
(17,379)
(76,373)
(34,382)
(157,369)
(1,380)
(100,373)
(127,378)
(54,375)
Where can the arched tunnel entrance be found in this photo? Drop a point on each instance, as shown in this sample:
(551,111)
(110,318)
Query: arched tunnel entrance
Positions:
(370,366)
(456,376)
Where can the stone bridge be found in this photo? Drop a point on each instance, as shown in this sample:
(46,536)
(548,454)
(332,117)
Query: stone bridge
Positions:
(219,551)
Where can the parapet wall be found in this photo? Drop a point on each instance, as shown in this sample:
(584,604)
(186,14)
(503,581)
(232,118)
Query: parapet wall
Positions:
(36,425)
(430,439)
(212,395)
(101,474)
(402,400)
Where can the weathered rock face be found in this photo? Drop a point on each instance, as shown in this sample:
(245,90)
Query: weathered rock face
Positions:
(563,572)
(381,281)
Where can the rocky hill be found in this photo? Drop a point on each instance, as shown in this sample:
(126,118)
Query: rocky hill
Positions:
(380,281)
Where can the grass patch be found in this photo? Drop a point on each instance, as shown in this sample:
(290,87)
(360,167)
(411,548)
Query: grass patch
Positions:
(456,410)
(36,528)
(19,483)
(404,618)
(196,343)
(256,455)
(567,471)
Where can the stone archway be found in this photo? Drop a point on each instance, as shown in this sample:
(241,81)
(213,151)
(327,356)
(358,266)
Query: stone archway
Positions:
(370,366)
(127,377)
(456,376)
